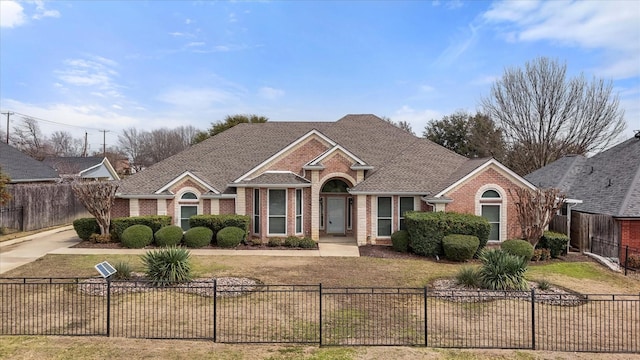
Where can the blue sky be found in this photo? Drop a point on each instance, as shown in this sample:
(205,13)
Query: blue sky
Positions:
(150,64)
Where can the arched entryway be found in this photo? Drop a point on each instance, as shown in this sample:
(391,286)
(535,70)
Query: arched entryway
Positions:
(336,207)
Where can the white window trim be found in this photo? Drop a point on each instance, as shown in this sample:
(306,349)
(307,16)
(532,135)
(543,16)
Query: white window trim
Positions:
(400,217)
(378,217)
(500,223)
(494,201)
(286,213)
(183,206)
(179,202)
(256,212)
(301,215)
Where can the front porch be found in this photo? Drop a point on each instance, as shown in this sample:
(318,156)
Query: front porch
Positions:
(338,245)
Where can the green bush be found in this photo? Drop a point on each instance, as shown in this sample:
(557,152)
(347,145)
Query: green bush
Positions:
(219,222)
(468,277)
(230,237)
(292,241)
(167,266)
(123,271)
(502,271)
(84,227)
(275,242)
(541,255)
(555,242)
(197,237)
(168,236)
(427,229)
(137,236)
(460,247)
(518,247)
(100,239)
(155,222)
(400,241)
(307,243)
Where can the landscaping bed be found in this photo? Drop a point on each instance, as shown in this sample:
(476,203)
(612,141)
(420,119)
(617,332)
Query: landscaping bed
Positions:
(117,245)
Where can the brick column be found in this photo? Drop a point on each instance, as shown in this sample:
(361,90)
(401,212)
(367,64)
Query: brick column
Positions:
(215,207)
(162,206)
(361,230)
(315,205)
(134,207)
(241,200)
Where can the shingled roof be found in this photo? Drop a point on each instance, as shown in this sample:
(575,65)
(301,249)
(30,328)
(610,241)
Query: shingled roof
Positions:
(71,165)
(607,183)
(401,161)
(22,168)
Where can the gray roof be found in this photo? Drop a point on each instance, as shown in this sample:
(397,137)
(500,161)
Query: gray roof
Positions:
(607,183)
(402,162)
(72,165)
(273,178)
(22,168)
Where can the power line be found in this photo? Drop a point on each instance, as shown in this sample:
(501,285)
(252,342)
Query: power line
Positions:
(54,122)
(8,113)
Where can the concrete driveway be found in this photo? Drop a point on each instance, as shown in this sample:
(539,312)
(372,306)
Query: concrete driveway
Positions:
(17,252)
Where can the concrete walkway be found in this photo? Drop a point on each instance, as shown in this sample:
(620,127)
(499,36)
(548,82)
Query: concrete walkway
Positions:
(21,251)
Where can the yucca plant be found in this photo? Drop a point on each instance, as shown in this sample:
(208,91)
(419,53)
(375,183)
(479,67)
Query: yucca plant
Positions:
(123,271)
(468,277)
(168,266)
(502,271)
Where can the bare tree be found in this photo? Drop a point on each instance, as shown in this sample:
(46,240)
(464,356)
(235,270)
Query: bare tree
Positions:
(97,197)
(545,116)
(131,144)
(404,125)
(535,209)
(145,148)
(187,134)
(4,193)
(64,144)
(28,138)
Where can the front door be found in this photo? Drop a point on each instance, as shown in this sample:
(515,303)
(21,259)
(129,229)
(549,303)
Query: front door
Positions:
(335,215)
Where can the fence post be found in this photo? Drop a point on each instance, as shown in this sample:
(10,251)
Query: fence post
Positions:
(533,319)
(215,311)
(320,317)
(626,259)
(108,307)
(426,342)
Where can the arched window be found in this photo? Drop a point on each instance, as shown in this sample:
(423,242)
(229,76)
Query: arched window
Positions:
(491,209)
(189,196)
(188,206)
(335,186)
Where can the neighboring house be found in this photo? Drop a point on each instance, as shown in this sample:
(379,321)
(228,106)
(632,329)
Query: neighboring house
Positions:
(607,183)
(354,177)
(23,169)
(87,168)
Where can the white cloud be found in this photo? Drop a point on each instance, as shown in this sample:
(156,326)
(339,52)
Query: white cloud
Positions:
(42,12)
(11,14)
(270,93)
(612,26)
(196,44)
(426,88)
(460,42)
(418,119)
(202,98)
(94,71)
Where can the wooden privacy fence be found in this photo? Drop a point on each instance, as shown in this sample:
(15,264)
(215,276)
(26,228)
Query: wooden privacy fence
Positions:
(45,205)
(599,234)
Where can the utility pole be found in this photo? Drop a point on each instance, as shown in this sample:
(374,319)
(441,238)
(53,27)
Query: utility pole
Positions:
(84,149)
(8,113)
(104,143)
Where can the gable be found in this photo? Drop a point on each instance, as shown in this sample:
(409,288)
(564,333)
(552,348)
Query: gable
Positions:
(187,179)
(490,173)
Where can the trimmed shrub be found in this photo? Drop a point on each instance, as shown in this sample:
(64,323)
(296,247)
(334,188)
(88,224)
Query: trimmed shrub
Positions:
(123,271)
(400,241)
(541,255)
(219,222)
(168,236)
(84,227)
(275,242)
(100,239)
(155,222)
(460,247)
(253,241)
(137,236)
(168,266)
(292,241)
(555,242)
(230,237)
(307,243)
(502,271)
(468,277)
(518,247)
(197,237)
(427,229)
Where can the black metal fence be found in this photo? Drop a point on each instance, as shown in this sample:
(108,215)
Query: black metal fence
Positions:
(630,260)
(320,315)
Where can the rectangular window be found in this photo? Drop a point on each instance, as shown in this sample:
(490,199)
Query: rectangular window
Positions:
(256,211)
(321,213)
(298,211)
(384,216)
(349,213)
(492,214)
(406,204)
(187,211)
(277,212)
